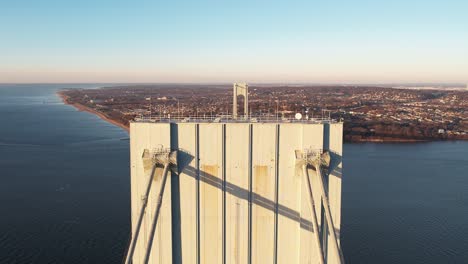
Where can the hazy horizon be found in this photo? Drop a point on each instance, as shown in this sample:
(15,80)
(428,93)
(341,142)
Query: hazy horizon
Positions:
(339,42)
(383,84)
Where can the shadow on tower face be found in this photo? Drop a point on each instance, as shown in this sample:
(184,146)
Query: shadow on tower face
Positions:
(185,158)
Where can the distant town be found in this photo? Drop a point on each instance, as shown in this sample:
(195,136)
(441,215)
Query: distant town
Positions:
(370,113)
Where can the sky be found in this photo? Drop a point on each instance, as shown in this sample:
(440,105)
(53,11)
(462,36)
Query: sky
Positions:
(333,41)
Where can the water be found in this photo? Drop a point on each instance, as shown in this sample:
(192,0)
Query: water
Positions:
(64,190)
(64,181)
(405,203)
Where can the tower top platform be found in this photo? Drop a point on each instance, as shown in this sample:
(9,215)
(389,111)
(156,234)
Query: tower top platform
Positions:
(233,119)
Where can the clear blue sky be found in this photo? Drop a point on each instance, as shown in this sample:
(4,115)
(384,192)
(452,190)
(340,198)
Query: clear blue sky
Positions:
(226,41)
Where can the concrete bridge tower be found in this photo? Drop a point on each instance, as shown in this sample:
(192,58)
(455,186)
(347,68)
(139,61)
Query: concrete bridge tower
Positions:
(236,190)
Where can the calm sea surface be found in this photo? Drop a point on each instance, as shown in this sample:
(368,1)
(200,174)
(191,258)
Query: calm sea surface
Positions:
(64,190)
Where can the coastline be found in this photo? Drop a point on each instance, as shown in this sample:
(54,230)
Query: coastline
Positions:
(84,108)
(387,140)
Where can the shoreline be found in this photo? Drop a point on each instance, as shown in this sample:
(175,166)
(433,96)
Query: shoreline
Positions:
(396,141)
(84,108)
(393,140)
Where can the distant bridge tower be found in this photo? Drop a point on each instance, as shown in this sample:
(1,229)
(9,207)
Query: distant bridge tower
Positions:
(240,89)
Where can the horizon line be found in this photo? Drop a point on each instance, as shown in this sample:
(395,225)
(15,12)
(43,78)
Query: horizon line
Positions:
(253,83)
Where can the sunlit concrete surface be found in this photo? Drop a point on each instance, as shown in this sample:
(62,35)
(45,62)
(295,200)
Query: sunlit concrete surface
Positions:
(237,194)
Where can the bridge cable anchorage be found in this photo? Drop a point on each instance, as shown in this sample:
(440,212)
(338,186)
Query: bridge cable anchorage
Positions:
(159,156)
(318,159)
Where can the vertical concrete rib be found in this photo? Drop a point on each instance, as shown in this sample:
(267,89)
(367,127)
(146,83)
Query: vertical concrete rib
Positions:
(332,182)
(325,227)
(275,248)
(175,198)
(237,186)
(223,165)
(197,165)
(250,193)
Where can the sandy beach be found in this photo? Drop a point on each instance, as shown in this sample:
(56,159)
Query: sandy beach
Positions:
(84,108)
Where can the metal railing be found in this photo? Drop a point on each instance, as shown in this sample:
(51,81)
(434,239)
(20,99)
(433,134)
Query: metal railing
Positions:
(309,154)
(168,118)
